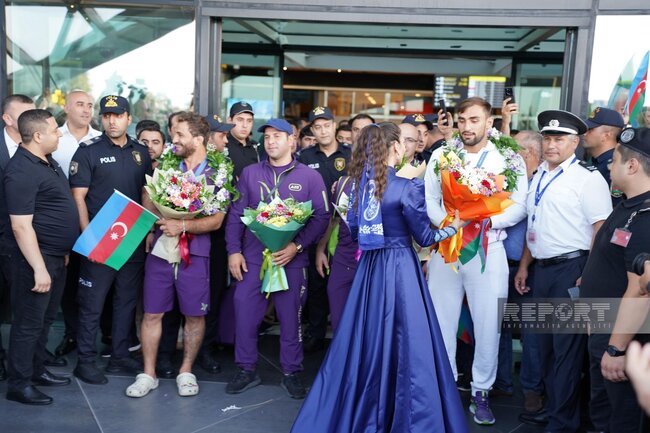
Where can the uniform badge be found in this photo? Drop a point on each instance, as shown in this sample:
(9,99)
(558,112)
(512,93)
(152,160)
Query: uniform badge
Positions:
(295,187)
(627,135)
(217,118)
(74,167)
(554,123)
(419,118)
(137,157)
(111,101)
(593,113)
(318,111)
(339,164)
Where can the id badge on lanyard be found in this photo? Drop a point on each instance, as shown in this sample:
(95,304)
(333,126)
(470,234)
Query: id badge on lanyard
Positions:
(622,235)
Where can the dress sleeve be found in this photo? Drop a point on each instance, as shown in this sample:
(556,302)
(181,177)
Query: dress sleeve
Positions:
(414,210)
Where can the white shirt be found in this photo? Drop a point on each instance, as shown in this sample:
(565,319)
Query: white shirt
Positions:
(12,146)
(68,145)
(563,218)
(494,163)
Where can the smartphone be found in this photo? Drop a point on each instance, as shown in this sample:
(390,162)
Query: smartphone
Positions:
(443,107)
(574,293)
(508,93)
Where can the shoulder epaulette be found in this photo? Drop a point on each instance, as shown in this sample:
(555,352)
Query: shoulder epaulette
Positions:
(588,166)
(90,141)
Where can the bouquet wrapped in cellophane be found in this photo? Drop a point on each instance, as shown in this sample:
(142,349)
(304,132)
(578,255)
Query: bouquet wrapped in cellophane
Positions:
(276,224)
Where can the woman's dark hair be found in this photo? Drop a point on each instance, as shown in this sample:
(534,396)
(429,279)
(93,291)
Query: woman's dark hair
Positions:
(372,147)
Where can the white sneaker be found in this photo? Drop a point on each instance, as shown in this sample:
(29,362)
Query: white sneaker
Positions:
(187,385)
(142,385)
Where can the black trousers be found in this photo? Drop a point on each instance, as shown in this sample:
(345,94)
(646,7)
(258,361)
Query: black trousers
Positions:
(95,281)
(613,406)
(33,313)
(5,307)
(317,303)
(561,354)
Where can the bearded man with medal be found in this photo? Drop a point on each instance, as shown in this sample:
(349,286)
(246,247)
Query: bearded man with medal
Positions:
(567,204)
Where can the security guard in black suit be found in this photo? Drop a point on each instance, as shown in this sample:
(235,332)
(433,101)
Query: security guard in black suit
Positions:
(112,161)
(609,273)
(330,159)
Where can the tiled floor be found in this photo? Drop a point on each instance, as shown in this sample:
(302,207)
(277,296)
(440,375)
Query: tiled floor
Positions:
(83,408)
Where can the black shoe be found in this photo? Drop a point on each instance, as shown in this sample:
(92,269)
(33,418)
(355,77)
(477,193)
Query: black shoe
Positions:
(29,395)
(66,346)
(464,383)
(3,371)
(313,345)
(207,362)
(48,379)
(53,361)
(539,419)
(89,373)
(165,368)
(124,365)
(242,381)
(293,385)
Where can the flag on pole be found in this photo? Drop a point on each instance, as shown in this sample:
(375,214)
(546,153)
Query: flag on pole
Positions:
(115,232)
(636,97)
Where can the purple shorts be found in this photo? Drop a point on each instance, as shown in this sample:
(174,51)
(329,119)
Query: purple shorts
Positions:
(192,287)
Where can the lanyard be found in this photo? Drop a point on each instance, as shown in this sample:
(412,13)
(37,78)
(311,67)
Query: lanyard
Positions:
(481,160)
(634,214)
(199,169)
(539,194)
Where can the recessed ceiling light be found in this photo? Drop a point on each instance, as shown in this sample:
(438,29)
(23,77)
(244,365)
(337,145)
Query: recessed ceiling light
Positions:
(284,68)
(417,95)
(456,46)
(339,71)
(402,45)
(508,46)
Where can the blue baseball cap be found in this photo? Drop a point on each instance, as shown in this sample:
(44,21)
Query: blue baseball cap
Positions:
(604,116)
(113,104)
(418,119)
(279,124)
(218,125)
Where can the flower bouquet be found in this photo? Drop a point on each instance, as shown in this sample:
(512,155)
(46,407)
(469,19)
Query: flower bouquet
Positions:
(275,225)
(179,195)
(477,194)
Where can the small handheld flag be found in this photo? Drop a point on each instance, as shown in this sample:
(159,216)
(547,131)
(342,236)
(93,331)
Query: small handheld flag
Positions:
(115,232)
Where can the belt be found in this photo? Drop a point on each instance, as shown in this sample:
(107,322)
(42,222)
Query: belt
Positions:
(513,263)
(562,258)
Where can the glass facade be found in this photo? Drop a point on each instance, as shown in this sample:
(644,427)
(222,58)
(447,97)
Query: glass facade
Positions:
(144,54)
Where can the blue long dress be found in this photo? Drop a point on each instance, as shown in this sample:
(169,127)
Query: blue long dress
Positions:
(387,368)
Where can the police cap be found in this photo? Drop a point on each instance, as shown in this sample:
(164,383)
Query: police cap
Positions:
(418,119)
(218,125)
(320,113)
(560,122)
(241,107)
(637,139)
(113,104)
(604,116)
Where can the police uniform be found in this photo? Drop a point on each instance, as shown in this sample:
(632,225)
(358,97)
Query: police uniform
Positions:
(303,184)
(102,167)
(482,288)
(563,204)
(331,168)
(613,405)
(604,117)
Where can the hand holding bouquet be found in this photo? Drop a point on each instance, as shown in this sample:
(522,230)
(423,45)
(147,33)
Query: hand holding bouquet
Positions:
(275,225)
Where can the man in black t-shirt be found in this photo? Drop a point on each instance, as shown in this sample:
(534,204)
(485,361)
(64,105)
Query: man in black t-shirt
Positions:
(45,223)
(609,274)
(242,150)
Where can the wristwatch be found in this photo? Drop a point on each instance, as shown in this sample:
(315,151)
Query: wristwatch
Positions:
(614,352)
(298,248)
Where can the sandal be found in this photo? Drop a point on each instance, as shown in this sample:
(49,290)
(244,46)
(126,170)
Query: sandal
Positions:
(142,385)
(187,384)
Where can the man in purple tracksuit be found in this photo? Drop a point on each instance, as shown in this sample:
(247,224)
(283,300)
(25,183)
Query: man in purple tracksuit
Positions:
(283,175)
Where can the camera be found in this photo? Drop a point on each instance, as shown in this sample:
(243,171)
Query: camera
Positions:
(639,262)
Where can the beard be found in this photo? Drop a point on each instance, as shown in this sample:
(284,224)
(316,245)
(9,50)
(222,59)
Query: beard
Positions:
(185,150)
(473,141)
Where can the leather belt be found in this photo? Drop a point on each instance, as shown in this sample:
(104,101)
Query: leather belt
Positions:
(562,258)
(513,263)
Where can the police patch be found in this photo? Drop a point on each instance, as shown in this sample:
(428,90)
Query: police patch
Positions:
(74,167)
(137,157)
(295,187)
(339,164)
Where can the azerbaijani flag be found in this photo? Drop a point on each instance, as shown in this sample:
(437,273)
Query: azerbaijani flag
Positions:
(475,242)
(115,232)
(465,330)
(636,97)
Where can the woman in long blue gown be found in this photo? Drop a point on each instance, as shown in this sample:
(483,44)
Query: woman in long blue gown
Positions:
(387,368)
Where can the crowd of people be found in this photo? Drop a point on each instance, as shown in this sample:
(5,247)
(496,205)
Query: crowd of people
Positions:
(572,230)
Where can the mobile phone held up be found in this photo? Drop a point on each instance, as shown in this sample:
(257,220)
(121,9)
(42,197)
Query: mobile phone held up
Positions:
(508,93)
(443,107)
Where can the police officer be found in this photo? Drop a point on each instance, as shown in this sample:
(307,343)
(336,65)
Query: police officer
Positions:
(423,126)
(287,177)
(609,274)
(45,222)
(600,140)
(242,150)
(330,159)
(112,161)
(566,206)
